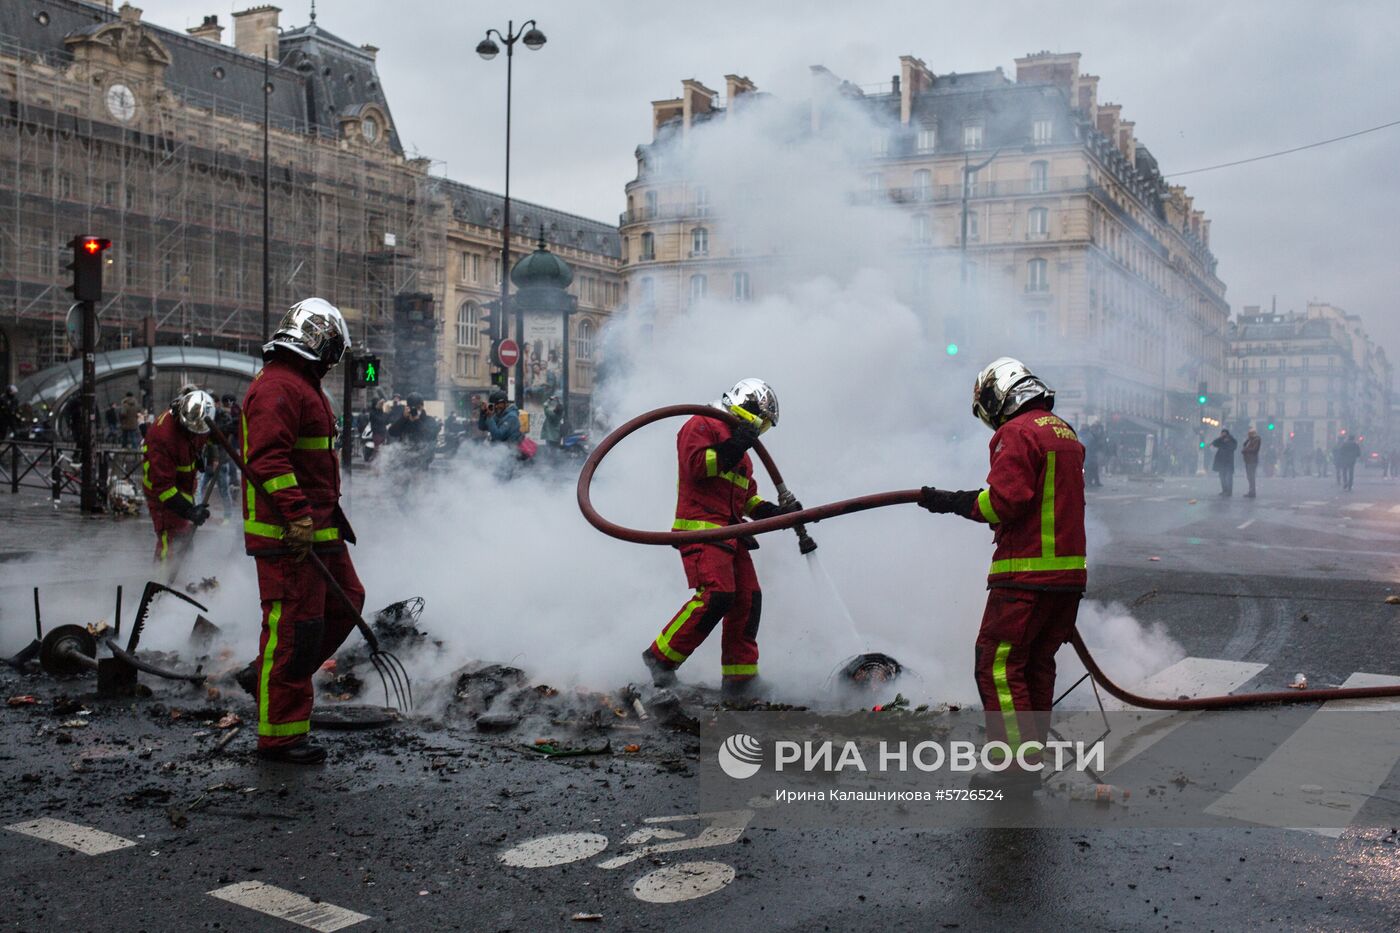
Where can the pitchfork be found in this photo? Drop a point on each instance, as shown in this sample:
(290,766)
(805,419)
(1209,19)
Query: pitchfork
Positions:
(389,668)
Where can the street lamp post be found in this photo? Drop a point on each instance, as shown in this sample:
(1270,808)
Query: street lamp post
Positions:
(488,49)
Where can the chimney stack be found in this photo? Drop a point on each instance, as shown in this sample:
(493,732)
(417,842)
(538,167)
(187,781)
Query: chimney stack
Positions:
(209,29)
(914,78)
(255,29)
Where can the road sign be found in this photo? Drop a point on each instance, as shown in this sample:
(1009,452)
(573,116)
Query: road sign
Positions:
(508,353)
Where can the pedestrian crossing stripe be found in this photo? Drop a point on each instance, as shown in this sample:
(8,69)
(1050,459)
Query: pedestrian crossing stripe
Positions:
(74,836)
(1357,507)
(288,905)
(1348,756)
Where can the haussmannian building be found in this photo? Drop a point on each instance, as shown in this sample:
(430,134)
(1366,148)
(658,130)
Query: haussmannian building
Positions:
(1314,376)
(1088,254)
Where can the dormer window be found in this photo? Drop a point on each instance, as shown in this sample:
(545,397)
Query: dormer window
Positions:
(369,128)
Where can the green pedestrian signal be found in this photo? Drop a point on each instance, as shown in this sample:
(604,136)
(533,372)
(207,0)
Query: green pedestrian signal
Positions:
(952,349)
(367,372)
(1271,425)
(1201,399)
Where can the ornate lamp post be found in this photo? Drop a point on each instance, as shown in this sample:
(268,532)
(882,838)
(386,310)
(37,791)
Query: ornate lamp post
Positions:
(487,48)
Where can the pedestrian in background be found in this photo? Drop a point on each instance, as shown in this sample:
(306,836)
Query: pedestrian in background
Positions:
(1093,449)
(1249,453)
(1320,459)
(1290,467)
(129,419)
(1348,452)
(9,411)
(112,424)
(1224,463)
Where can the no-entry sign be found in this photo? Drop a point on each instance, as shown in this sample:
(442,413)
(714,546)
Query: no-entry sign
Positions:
(508,353)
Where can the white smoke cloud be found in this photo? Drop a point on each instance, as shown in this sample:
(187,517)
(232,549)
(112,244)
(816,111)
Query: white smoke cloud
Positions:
(870,402)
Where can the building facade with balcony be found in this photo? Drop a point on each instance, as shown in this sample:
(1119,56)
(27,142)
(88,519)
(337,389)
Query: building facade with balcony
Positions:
(473,289)
(1312,376)
(1037,224)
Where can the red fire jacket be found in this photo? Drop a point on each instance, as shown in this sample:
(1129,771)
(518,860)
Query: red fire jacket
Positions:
(1035,501)
(288,431)
(169,455)
(707,497)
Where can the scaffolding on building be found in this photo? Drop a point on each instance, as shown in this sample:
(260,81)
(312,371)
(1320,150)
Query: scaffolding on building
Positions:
(179,193)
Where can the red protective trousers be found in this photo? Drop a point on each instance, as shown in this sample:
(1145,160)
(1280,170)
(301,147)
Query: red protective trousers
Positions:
(726,587)
(304,624)
(1021,632)
(168,526)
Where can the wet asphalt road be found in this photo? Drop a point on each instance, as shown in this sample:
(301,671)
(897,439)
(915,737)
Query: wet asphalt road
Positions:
(406,827)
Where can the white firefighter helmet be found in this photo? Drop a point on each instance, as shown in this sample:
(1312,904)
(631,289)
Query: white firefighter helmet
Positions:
(193,408)
(315,329)
(1003,388)
(753,400)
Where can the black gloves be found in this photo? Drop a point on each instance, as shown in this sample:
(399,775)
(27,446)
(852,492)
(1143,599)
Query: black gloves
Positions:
(946,501)
(196,514)
(768,509)
(731,451)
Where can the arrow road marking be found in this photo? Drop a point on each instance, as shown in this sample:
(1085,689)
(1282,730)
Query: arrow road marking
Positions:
(82,839)
(288,905)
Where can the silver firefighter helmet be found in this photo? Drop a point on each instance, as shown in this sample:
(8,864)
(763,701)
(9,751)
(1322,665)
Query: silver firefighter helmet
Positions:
(193,408)
(315,329)
(753,400)
(1005,387)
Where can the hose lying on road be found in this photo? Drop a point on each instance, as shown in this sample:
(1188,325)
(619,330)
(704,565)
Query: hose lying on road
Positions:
(880,500)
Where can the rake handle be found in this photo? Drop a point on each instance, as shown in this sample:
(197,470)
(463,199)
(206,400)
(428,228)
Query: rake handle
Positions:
(370,638)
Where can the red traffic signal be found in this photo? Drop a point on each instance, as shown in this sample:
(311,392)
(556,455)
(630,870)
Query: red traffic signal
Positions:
(87,266)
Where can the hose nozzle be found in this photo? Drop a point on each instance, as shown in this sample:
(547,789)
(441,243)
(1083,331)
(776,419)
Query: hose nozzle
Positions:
(805,544)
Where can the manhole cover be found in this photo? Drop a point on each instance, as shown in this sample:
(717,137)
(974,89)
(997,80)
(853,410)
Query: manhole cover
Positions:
(350,716)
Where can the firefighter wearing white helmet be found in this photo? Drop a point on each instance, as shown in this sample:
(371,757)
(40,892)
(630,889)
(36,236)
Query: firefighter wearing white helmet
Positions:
(288,433)
(169,467)
(716,487)
(1034,501)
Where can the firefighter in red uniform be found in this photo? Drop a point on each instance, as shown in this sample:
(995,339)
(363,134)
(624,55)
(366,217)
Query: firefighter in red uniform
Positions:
(1034,500)
(287,430)
(168,468)
(716,488)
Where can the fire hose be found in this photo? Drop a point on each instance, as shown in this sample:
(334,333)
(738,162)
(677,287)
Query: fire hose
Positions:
(799,519)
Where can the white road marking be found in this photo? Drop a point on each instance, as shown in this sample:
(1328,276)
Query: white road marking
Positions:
(1356,507)
(1314,504)
(558,849)
(288,905)
(1245,525)
(82,839)
(726,827)
(1348,756)
(683,882)
(1395,510)
(1190,677)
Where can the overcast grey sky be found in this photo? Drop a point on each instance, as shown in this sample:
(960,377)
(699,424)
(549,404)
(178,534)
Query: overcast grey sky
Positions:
(1205,82)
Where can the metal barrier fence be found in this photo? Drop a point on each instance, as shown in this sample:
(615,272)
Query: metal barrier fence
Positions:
(53,467)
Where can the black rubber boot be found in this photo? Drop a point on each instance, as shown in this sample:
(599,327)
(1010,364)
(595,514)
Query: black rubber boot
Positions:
(305,752)
(661,676)
(248,679)
(748,690)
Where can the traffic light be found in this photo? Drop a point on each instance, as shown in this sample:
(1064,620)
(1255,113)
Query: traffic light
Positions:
(367,372)
(87,267)
(1202,395)
(1271,425)
(954,334)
